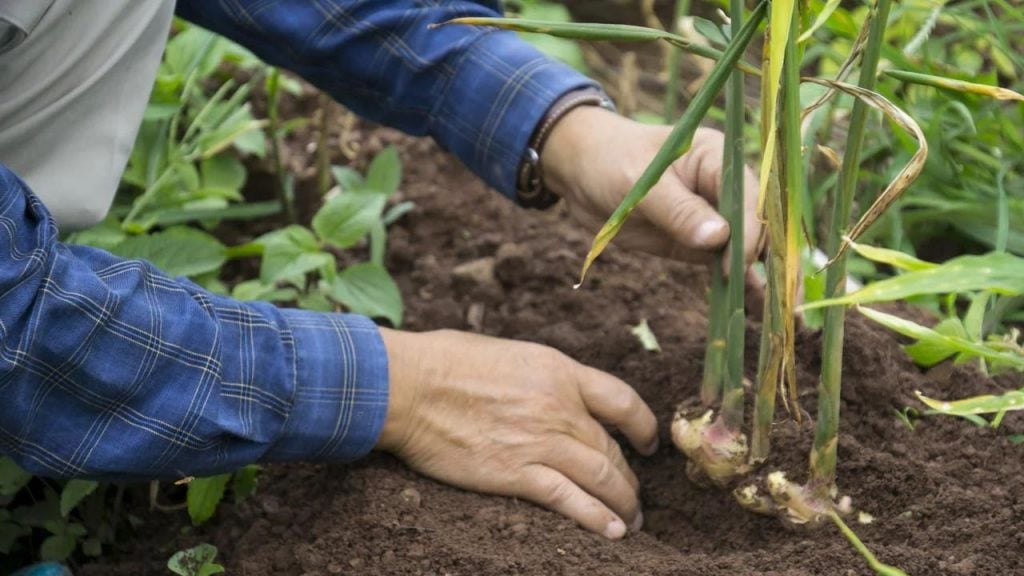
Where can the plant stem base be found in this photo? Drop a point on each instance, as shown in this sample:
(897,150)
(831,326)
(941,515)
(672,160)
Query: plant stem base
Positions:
(717,455)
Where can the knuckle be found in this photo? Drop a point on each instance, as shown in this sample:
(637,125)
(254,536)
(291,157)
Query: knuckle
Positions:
(555,493)
(604,474)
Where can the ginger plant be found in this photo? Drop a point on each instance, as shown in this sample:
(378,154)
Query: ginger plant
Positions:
(715,442)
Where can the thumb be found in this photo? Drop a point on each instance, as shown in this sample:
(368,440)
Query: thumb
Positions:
(686,218)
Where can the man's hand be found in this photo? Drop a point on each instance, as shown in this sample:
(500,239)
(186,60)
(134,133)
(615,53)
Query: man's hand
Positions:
(594,156)
(516,419)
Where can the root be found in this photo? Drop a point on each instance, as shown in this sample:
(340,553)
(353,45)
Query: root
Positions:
(797,506)
(716,454)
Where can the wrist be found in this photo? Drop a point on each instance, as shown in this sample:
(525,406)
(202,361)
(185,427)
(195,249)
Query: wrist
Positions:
(566,149)
(534,184)
(403,361)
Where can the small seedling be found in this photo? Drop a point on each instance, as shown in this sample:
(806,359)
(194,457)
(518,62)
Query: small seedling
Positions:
(197,561)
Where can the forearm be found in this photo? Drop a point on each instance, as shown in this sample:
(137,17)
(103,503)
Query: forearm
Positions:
(110,369)
(480,93)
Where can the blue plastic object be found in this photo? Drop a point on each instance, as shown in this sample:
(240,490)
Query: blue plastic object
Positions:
(44,569)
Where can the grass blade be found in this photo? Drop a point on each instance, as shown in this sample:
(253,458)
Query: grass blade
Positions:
(996,272)
(936,339)
(955,85)
(781,22)
(678,141)
(976,405)
(823,16)
(598,31)
(894,258)
(682,8)
(903,180)
(874,563)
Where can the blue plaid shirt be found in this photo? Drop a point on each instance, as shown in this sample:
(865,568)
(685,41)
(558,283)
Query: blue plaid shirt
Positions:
(111,369)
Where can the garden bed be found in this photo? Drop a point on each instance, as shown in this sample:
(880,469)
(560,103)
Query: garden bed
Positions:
(947,497)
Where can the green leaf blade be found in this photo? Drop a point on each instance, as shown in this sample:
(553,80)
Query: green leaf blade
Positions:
(178,251)
(368,289)
(385,172)
(204,495)
(73,493)
(346,219)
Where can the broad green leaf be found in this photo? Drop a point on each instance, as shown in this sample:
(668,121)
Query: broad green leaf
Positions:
(204,495)
(178,251)
(999,273)
(105,235)
(222,171)
(985,404)
(41,513)
(10,533)
(939,340)
(369,290)
(291,252)
(187,175)
(192,49)
(894,258)
(347,178)
(198,561)
(315,301)
(92,547)
(646,336)
(73,493)
(252,290)
(160,111)
(57,548)
(244,482)
(560,48)
(679,140)
(253,142)
(397,211)
(348,217)
(12,477)
(385,172)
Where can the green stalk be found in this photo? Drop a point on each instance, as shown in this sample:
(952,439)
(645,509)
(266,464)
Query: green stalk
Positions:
(791,164)
(674,58)
(714,354)
(276,146)
(732,207)
(768,365)
(874,563)
(247,250)
(823,453)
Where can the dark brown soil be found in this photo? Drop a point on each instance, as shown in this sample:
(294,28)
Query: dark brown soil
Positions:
(948,497)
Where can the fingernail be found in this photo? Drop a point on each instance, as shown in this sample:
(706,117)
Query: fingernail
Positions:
(638,522)
(710,232)
(653,447)
(616,529)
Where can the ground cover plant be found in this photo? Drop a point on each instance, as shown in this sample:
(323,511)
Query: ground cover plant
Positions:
(185,177)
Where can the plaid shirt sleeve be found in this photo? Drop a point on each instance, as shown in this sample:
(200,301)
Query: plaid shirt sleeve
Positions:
(110,369)
(480,93)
